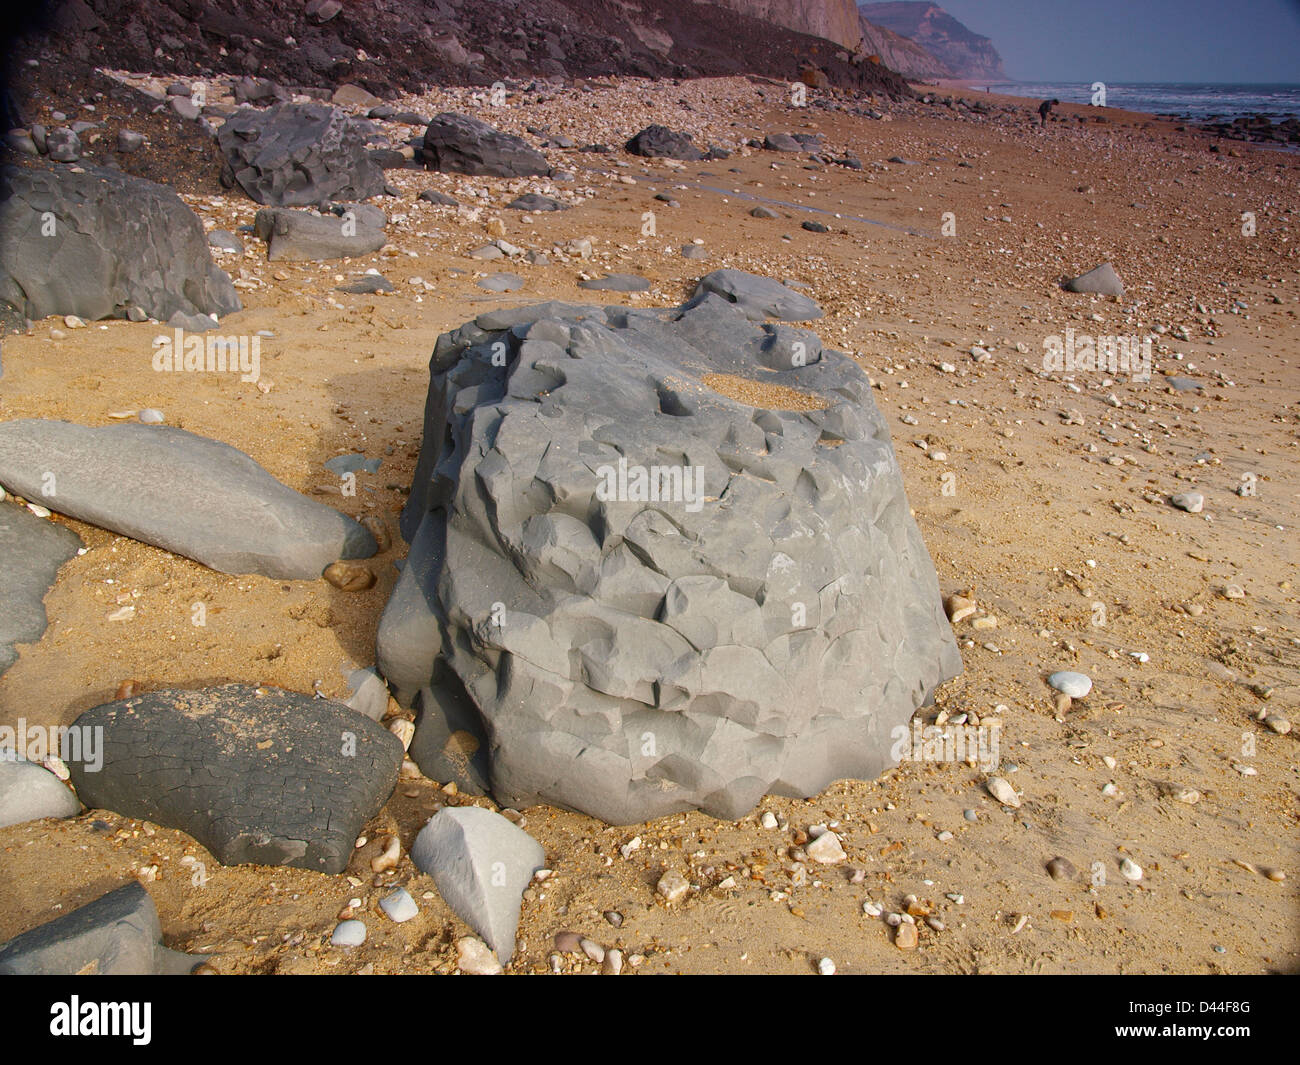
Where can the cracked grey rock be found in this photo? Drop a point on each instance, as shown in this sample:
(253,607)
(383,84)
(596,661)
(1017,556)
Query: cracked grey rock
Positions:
(298,155)
(184,493)
(114,242)
(631,658)
(481,864)
(758,297)
(1100,280)
(256,775)
(29,792)
(465,145)
(305,236)
(116,935)
(31,551)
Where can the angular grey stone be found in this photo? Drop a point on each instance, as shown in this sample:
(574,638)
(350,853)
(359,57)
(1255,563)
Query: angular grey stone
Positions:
(465,145)
(296,155)
(116,935)
(616,283)
(481,864)
(115,242)
(184,493)
(370,284)
(224,240)
(356,463)
(1101,280)
(22,142)
(63,145)
(256,775)
(440,199)
(501,282)
(369,693)
(765,630)
(758,297)
(31,551)
(694,251)
(191,323)
(304,236)
(781,142)
(530,201)
(185,107)
(660,142)
(764,212)
(29,791)
(816,227)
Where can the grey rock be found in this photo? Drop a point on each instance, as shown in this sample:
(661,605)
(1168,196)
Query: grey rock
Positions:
(1068,682)
(764,212)
(294,155)
(304,236)
(694,251)
(900,161)
(29,792)
(488,252)
(441,199)
(399,906)
(369,284)
(1192,502)
(348,934)
(224,240)
(369,693)
(151,416)
(616,283)
(31,551)
(481,864)
(630,658)
(530,201)
(191,323)
(184,493)
(185,107)
(1184,384)
(355,463)
(501,282)
(816,227)
(660,142)
(781,142)
(178,88)
(21,141)
(1100,280)
(256,775)
(62,145)
(116,242)
(758,297)
(465,145)
(116,935)
(321,11)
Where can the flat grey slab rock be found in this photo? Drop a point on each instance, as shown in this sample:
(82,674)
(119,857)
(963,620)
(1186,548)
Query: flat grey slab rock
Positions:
(629,593)
(438,199)
(305,236)
(256,775)
(298,155)
(501,282)
(481,863)
(116,935)
(530,201)
(184,493)
(465,145)
(616,283)
(1100,280)
(99,242)
(31,551)
(758,297)
(29,792)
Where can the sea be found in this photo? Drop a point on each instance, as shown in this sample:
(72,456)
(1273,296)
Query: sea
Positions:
(1189,102)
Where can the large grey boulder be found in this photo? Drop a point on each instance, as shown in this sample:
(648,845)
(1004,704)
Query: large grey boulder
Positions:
(481,864)
(660,142)
(184,493)
(256,775)
(630,594)
(304,236)
(297,155)
(1100,280)
(465,145)
(97,243)
(29,792)
(31,552)
(116,935)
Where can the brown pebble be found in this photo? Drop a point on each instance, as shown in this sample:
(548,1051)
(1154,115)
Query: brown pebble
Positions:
(906,938)
(349,576)
(206,969)
(128,688)
(1064,915)
(568,942)
(1061,869)
(378,528)
(1062,703)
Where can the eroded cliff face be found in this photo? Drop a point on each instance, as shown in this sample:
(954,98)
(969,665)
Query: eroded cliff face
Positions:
(965,54)
(836,20)
(898,53)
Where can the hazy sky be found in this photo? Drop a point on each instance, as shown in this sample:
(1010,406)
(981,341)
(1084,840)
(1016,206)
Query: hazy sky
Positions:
(1140,40)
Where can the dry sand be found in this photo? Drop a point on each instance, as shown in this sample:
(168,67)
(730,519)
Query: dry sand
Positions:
(1050,498)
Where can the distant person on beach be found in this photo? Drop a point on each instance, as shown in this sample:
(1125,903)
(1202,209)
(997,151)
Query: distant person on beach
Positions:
(1045,109)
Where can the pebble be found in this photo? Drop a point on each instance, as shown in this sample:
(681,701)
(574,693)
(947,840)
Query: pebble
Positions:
(1075,685)
(475,959)
(614,917)
(906,937)
(970,815)
(349,576)
(1192,502)
(1003,792)
(826,967)
(1278,724)
(568,942)
(592,949)
(348,934)
(1061,869)
(399,906)
(768,820)
(1130,870)
(1188,795)
(613,963)
(151,416)
(673,886)
(390,857)
(826,849)
(960,608)
(1234,591)
(872,909)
